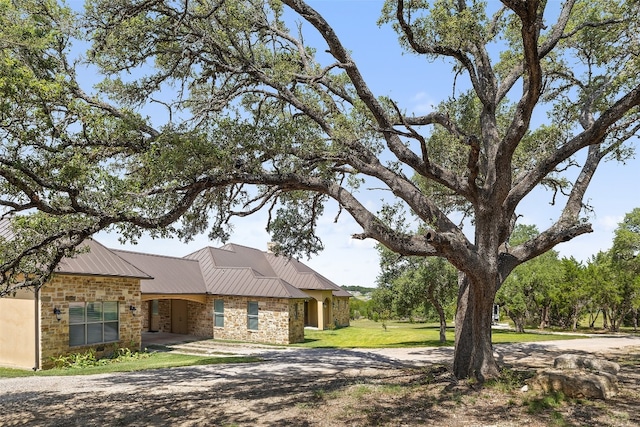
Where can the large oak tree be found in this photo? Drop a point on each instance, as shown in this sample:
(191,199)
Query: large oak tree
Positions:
(255,119)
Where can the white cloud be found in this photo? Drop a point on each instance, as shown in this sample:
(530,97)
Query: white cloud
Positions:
(609,222)
(422,103)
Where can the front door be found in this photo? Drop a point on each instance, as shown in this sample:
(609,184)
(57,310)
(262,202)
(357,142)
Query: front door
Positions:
(179,317)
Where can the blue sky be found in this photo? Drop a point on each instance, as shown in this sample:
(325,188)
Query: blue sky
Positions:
(416,85)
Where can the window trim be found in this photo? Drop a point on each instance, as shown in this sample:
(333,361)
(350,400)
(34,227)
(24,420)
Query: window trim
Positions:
(218,315)
(251,316)
(87,322)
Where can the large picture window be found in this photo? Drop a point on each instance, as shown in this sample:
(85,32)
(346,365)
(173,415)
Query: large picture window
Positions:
(252,315)
(218,313)
(93,323)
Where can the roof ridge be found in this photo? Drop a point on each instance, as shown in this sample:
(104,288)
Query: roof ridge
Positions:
(153,255)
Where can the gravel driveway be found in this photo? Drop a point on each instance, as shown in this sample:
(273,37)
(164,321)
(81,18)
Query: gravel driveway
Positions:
(235,394)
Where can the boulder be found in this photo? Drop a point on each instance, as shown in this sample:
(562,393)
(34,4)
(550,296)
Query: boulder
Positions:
(576,383)
(574,361)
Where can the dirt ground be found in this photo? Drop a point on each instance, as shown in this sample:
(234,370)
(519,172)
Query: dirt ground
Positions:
(318,388)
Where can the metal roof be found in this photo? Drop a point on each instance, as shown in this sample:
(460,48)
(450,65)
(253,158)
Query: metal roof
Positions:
(93,259)
(230,270)
(171,275)
(302,276)
(99,261)
(227,272)
(262,264)
(244,282)
(6,232)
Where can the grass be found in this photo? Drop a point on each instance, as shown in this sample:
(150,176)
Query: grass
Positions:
(154,361)
(361,334)
(365,333)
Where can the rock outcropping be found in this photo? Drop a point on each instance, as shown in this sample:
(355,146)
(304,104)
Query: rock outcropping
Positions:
(579,377)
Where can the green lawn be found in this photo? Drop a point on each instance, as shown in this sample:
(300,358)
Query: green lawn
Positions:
(154,361)
(369,334)
(361,334)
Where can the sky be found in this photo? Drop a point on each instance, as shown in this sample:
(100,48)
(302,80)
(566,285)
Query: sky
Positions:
(416,85)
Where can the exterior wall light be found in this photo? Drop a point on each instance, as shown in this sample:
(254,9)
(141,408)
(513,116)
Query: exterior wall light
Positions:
(58,313)
(132,309)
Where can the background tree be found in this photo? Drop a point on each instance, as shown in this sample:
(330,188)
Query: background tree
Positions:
(626,269)
(526,294)
(570,296)
(256,118)
(416,285)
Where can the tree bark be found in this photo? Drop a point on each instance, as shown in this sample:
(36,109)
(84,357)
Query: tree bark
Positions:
(473,356)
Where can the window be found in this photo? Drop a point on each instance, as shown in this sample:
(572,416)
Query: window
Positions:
(252,315)
(93,323)
(218,313)
(155,307)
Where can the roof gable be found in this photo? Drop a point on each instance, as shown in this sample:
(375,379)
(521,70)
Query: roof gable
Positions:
(242,271)
(99,260)
(302,276)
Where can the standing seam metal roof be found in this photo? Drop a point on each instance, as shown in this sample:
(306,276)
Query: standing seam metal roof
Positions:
(228,274)
(171,275)
(99,261)
(264,264)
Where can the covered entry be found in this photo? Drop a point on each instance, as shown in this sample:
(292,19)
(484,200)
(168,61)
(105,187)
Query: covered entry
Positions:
(317,309)
(177,314)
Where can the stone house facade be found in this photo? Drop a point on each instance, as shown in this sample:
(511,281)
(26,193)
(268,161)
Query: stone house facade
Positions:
(103,299)
(210,292)
(86,305)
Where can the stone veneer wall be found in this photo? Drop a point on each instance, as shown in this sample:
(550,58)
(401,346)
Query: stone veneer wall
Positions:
(340,310)
(274,321)
(144,314)
(164,311)
(63,289)
(200,318)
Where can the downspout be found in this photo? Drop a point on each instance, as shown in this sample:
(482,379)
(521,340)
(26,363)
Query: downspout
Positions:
(37,331)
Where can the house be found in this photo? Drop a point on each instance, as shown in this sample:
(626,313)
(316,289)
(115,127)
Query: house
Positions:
(90,302)
(237,293)
(104,298)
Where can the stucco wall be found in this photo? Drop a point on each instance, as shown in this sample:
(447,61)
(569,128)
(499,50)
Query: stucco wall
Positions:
(63,289)
(18,330)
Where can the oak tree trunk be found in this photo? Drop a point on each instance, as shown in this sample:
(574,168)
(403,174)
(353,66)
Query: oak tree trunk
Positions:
(473,357)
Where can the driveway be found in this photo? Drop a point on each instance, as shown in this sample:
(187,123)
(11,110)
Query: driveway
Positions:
(241,394)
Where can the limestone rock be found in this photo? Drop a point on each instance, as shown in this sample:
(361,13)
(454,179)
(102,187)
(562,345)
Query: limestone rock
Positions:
(574,361)
(576,383)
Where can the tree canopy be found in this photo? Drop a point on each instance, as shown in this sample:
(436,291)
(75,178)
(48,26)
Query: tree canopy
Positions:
(256,118)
